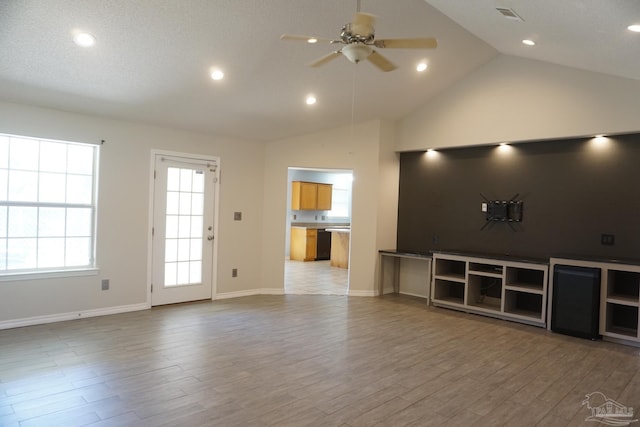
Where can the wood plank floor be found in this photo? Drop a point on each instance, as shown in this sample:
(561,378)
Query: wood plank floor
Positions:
(305,360)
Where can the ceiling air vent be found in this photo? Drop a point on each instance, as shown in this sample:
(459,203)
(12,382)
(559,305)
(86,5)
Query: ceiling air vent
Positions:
(509,13)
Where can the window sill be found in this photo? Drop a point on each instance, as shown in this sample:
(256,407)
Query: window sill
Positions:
(51,274)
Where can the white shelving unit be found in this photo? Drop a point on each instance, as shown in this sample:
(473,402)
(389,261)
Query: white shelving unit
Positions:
(619,298)
(503,288)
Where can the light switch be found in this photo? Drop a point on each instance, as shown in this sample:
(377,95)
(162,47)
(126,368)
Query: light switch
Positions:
(237,216)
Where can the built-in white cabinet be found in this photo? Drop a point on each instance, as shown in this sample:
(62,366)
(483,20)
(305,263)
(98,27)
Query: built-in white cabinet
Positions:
(504,288)
(620,303)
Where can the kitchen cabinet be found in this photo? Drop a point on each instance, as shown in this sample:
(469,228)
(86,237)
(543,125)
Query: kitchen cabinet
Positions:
(303,244)
(310,196)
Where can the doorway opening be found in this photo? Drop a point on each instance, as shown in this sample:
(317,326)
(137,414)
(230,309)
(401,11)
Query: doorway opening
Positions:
(318,231)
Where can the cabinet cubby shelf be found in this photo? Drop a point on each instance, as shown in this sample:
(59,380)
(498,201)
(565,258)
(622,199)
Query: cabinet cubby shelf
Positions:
(451,277)
(623,300)
(485,273)
(502,288)
(525,287)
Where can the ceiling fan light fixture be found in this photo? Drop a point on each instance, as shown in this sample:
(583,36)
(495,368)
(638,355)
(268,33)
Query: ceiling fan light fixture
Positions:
(356,52)
(311,100)
(421,67)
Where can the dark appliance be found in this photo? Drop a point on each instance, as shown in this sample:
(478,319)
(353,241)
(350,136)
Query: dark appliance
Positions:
(575,309)
(323,245)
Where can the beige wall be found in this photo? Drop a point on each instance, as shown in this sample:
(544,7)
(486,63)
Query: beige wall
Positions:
(515,99)
(366,149)
(123,211)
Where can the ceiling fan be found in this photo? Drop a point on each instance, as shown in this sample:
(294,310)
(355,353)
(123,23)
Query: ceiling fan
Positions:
(358,38)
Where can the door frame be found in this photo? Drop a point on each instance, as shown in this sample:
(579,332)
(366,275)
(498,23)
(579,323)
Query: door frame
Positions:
(216,212)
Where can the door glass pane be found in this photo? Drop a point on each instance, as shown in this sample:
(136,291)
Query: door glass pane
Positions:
(184,226)
(173,179)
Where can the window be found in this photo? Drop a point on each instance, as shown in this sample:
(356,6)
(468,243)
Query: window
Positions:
(341,196)
(47,205)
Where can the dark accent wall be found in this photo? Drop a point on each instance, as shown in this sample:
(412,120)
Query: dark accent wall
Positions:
(573,192)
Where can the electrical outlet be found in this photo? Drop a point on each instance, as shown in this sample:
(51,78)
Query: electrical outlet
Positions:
(105,284)
(237,216)
(234,272)
(608,239)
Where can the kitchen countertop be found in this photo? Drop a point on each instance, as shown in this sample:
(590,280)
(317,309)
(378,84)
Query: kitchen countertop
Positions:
(338,230)
(320,225)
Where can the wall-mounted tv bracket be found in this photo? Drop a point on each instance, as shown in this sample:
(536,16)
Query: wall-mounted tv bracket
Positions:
(508,211)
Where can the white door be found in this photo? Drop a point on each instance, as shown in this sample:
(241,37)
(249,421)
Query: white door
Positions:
(183,229)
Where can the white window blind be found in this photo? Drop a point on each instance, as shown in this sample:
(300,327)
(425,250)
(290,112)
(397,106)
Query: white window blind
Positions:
(47,205)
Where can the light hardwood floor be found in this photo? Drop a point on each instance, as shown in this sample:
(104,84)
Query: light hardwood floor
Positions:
(298,360)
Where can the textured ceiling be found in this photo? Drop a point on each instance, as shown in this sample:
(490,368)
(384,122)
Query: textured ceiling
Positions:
(152,57)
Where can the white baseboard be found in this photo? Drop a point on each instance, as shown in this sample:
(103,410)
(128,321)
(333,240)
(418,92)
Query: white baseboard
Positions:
(371,293)
(248,293)
(51,318)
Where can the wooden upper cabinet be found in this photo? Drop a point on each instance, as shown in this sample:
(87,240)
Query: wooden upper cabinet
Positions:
(324,197)
(310,196)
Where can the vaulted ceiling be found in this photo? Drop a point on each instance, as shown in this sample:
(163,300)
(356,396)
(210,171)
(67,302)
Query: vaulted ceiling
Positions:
(152,59)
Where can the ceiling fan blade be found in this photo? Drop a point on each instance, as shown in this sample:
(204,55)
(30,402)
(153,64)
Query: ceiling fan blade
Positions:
(363,24)
(381,62)
(296,37)
(325,59)
(429,43)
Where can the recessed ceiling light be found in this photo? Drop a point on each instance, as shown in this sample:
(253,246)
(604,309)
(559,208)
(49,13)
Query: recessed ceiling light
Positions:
(421,66)
(635,28)
(310,100)
(217,75)
(312,40)
(84,39)
(529,42)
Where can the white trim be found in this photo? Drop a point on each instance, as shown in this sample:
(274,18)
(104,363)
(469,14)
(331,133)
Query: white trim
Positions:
(371,293)
(39,320)
(248,293)
(53,274)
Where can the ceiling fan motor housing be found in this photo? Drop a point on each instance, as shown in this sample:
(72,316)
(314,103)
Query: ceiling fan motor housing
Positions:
(348,36)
